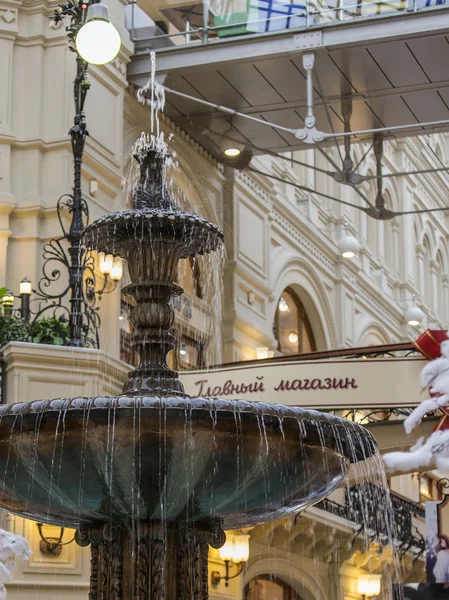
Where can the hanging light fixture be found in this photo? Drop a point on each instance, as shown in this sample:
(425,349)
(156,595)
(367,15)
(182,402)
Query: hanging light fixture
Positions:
(368,585)
(283,306)
(183,350)
(414,315)
(98,41)
(348,246)
(293,337)
(231,148)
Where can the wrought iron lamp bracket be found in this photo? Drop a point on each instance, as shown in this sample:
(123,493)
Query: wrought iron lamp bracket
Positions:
(443,487)
(52,546)
(216,576)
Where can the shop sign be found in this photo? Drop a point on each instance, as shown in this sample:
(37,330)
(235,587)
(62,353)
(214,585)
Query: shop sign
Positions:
(325,384)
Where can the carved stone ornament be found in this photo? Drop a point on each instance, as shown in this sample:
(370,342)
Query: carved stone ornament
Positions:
(149,560)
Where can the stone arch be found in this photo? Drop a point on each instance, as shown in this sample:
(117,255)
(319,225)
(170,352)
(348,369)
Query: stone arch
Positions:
(298,275)
(372,334)
(306,584)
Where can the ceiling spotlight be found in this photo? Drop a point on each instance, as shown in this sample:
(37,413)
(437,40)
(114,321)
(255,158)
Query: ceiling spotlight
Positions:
(183,350)
(348,246)
(232,152)
(231,148)
(414,315)
(283,306)
(293,337)
(121,317)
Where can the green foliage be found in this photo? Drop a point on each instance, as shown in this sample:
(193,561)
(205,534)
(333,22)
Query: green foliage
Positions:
(45,331)
(13,329)
(3,291)
(50,331)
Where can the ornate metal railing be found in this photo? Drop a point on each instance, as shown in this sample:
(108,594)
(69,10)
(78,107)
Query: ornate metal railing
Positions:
(367,506)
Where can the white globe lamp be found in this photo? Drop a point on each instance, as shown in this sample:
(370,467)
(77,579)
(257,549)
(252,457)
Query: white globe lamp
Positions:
(414,316)
(98,41)
(348,246)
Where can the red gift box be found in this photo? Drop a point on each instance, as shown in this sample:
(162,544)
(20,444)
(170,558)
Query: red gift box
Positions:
(429,344)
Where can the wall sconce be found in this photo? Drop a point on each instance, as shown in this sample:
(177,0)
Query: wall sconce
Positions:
(235,550)
(368,585)
(52,545)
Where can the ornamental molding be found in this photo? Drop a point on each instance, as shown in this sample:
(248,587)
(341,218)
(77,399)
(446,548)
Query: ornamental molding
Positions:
(309,248)
(119,65)
(8,15)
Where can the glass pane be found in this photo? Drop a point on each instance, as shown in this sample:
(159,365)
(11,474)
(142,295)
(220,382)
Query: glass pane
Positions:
(292,327)
(288,320)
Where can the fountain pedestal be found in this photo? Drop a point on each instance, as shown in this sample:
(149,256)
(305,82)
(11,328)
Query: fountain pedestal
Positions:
(149,560)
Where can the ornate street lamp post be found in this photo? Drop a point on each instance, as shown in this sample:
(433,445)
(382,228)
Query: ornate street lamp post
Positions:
(94,40)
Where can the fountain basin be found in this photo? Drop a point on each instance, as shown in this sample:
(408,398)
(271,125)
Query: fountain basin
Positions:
(120,232)
(85,460)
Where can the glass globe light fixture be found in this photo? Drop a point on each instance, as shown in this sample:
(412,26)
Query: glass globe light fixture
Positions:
(348,246)
(241,548)
(293,337)
(106,262)
(227,550)
(283,306)
(98,41)
(25,287)
(368,585)
(414,316)
(116,272)
(8,299)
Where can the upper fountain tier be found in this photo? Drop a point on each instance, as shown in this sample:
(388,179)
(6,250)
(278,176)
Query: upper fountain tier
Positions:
(152,237)
(153,220)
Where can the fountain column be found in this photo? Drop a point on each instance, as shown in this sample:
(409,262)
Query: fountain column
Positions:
(149,561)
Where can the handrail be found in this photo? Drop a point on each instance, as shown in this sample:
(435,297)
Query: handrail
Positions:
(361,352)
(313,16)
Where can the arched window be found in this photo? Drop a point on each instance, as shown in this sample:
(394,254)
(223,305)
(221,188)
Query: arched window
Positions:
(269,587)
(292,327)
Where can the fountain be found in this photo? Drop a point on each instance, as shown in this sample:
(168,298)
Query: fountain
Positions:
(152,477)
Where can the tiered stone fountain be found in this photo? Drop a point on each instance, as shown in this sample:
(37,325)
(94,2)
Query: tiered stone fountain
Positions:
(151,478)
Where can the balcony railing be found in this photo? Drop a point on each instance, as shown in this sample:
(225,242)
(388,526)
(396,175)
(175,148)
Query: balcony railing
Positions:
(193,22)
(365,505)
